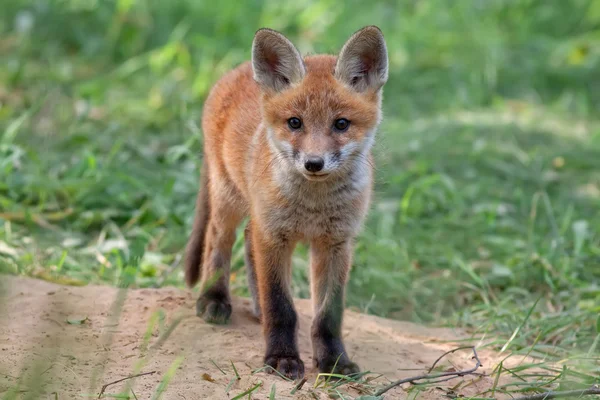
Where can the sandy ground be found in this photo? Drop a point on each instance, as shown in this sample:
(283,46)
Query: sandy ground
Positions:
(76,360)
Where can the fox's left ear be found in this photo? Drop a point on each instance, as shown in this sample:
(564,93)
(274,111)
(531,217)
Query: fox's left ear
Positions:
(363,61)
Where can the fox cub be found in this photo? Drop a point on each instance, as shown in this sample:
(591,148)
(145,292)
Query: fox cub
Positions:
(287,143)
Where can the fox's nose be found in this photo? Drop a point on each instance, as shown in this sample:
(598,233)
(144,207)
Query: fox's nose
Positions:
(314,164)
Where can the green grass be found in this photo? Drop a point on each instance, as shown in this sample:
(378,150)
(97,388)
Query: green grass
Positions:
(487,207)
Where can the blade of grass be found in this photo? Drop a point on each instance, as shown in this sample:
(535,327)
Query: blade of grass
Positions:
(518,329)
(247,392)
(235,370)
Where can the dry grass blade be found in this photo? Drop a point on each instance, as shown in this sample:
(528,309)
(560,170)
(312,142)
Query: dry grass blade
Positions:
(104,387)
(299,386)
(219,368)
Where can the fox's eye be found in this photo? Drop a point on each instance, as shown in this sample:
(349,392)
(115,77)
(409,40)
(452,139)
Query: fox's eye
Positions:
(294,123)
(341,125)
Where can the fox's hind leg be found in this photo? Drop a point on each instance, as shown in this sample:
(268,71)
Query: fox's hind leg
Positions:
(214,303)
(251,271)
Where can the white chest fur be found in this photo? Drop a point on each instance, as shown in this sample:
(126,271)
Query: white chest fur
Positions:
(333,208)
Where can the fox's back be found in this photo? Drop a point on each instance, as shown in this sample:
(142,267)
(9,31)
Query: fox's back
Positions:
(230,117)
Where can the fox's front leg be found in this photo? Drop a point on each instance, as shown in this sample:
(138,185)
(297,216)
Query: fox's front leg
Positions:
(330,263)
(272,258)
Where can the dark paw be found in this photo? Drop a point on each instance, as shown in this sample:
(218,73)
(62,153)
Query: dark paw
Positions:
(213,311)
(290,367)
(343,367)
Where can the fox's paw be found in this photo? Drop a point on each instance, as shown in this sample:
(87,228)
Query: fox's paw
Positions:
(213,311)
(343,366)
(290,367)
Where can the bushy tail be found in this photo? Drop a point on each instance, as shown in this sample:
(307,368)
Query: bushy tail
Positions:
(195,245)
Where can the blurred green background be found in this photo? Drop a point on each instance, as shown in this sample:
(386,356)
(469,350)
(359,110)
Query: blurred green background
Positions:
(487,207)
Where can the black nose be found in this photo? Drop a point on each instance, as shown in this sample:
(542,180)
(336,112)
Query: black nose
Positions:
(314,164)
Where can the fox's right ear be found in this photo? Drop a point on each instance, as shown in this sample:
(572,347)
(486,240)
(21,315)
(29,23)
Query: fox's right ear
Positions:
(275,61)
(363,61)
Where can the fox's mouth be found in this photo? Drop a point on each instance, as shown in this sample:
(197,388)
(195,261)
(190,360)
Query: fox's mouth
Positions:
(316,177)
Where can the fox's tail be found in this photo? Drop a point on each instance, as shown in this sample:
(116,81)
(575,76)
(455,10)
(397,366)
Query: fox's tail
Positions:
(195,245)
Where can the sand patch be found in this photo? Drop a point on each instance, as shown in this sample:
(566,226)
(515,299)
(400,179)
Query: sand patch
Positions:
(111,342)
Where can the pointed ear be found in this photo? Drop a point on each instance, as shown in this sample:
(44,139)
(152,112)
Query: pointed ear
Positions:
(363,61)
(276,63)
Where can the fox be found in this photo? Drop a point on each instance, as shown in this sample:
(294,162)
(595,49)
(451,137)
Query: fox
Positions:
(288,147)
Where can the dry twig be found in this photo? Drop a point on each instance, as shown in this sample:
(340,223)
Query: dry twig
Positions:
(441,377)
(445,354)
(121,380)
(436,377)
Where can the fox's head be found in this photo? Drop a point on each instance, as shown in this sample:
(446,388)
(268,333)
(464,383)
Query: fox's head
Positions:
(321,113)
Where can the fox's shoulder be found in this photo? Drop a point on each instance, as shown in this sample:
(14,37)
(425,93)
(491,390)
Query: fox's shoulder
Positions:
(235,91)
